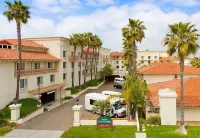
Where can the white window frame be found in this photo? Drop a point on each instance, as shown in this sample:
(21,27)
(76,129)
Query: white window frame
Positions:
(25,83)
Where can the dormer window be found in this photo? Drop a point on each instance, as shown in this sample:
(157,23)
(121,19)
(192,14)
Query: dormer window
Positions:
(5,47)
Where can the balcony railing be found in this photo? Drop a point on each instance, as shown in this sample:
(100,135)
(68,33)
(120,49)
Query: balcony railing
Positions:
(36,71)
(72,59)
(105,59)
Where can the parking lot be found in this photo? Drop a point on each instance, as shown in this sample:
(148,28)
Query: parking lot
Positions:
(61,118)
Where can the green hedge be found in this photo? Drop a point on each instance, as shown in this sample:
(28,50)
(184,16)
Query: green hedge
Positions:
(28,106)
(3,123)
(154,120)
(91,83)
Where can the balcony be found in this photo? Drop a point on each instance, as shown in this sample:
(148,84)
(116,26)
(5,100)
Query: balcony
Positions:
(105,59)
(71,58)
(27,72)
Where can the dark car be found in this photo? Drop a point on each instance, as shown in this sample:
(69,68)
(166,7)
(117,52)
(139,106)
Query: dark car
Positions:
(118,85)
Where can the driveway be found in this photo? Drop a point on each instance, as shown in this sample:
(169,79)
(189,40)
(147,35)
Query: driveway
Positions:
(61,118)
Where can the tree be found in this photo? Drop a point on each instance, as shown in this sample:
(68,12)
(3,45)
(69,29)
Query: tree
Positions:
(134,32)
(182,40)
(82,43)
(134,92)
(195,62)
(102,107)
(73,40)
(20,13)
(128,55)
(106,71)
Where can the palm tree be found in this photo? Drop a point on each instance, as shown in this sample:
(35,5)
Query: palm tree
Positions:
(82,43)
(182,39)
(101,107)
(128,56)
(88,45)
(73,40)
(134,32)
(98,45)
(20,13)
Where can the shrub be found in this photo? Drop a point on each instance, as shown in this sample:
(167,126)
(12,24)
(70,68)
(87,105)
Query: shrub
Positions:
(68,98)
(154,120)
(45,109)
(12,124)
(3,123)
(142,121)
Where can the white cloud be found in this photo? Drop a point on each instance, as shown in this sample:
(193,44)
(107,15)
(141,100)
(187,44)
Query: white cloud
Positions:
(56,6)
(182,3)
(100,2)
(107,24)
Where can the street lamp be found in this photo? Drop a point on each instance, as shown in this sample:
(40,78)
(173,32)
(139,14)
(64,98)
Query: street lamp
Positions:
(77,100)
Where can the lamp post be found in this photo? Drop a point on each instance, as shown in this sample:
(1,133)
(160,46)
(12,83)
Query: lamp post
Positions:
(77,100)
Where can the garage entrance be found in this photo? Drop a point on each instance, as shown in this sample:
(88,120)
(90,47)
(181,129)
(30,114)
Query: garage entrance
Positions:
(48,97)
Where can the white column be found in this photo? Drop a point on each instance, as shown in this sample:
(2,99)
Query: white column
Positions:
(15,112)
(77,115)
(167,102)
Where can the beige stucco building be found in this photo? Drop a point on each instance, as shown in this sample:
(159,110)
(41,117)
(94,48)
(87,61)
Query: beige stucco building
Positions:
(48,60)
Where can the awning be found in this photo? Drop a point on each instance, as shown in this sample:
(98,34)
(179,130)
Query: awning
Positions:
(47,89)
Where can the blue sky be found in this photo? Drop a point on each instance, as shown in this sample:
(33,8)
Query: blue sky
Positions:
(104,18)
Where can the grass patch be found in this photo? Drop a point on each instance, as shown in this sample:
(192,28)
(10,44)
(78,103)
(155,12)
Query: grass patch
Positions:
(129,132)
(5,130)
(91,83)
(68,98)
(28,106)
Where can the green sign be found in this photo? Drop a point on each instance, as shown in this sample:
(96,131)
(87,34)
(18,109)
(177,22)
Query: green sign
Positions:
(104,122)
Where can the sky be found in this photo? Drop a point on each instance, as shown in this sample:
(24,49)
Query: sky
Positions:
(105,18)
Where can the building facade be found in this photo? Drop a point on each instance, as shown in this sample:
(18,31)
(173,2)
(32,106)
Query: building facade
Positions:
(47,68)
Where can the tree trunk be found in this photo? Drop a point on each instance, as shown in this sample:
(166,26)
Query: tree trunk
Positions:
(130,65)
(182,126)
(92,62)
(86,63)
(133,70)
(74,66)
(96,59)
(81,66)
(19,61)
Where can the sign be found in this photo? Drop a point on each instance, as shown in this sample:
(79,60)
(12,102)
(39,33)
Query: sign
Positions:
(104,122)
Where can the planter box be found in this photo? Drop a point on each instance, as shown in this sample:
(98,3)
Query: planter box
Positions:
(31,115)
(140,135)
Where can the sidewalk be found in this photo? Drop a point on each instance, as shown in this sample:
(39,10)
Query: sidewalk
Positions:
(29,133)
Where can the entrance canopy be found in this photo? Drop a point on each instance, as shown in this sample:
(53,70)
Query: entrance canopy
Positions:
(47,89)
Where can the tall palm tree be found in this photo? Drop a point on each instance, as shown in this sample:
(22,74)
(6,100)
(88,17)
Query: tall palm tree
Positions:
(73,40)
(98,45)
(88,39)
(128,55)
(20,13)
(134,32)
(82,43)
(182,39)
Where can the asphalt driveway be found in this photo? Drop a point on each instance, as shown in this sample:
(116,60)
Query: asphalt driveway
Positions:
(61,118)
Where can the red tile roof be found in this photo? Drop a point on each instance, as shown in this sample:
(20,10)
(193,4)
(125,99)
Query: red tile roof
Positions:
(191,91)
(90,50)
(119,54)
(12,54)
(4,42)
(168,59)
(24,43)
(167,68)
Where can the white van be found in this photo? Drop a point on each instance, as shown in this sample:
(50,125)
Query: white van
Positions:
(119,80)
(110,93)
(116,111)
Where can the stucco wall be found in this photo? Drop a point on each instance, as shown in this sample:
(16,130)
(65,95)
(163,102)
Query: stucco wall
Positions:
(191,114)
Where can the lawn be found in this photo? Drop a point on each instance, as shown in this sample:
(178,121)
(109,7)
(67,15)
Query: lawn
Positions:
(5,130)
(28,106)
(129,132)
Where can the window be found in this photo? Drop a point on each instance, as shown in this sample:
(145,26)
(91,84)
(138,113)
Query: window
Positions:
(64,54)
(22,66)
(175,76)
(122,62)
(155,57)
(83,63)
(52,78)
(149,62)
(117,67)
(79,73)
(23,83)
(149,57)
(9,47)
(0,46)
(142,57)
(72,74)
(39,80)
(83,72)
(37,65)
(64,65)
(79,64)
(64,76)
(5,46)
(92,101)
(72,64)
(122,67)
(117,62)
(50,65)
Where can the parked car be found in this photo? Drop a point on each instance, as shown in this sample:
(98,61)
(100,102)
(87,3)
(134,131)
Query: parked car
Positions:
(116,111)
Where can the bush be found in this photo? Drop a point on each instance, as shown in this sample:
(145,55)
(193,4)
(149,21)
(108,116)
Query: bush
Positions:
(154,120)
(45,109)
(142,121)
(3,123)
(12,124)
(68,98)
